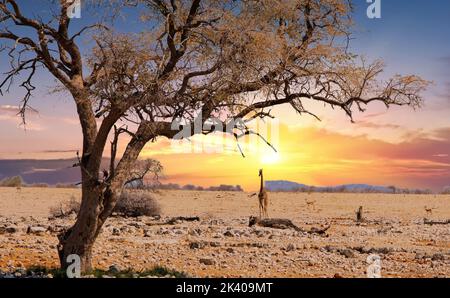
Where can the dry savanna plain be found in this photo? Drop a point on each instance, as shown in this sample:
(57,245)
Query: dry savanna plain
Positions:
(221,243)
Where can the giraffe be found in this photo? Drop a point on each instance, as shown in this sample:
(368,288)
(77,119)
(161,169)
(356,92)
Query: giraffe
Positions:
(262,197)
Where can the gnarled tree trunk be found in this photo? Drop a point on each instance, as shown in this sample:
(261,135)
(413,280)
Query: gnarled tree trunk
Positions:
(98,201)
(80,238)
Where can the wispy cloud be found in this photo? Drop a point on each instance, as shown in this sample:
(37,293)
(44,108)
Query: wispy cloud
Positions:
(440,155)
(10,114)
(370,124)
(9,109)
(373,115)
(37,170)
(58,151)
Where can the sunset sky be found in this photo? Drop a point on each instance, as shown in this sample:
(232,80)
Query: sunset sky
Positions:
(399,146)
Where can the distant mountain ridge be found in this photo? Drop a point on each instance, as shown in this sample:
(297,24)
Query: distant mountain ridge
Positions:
(52,171)
(284,185)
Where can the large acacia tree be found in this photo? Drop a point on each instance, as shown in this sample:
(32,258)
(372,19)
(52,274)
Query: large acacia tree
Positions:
(193,61)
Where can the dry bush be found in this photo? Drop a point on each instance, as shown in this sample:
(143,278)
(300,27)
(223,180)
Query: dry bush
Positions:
(135,204)
(446,190)
(67,185)
(130,204)
(38,185)
(15,181)
(65,209)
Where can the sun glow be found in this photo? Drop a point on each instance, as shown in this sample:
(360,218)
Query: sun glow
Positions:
(270,158)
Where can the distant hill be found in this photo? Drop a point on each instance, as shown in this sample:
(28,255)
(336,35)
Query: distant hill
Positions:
(42,171)
(284,185)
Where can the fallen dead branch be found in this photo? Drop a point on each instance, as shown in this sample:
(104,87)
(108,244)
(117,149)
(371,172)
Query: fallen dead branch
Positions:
(283,223)
(275,223)
(319,231)
(433,222)
(177,219)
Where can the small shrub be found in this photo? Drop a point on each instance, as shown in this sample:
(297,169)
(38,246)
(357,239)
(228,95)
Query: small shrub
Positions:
(38,185)
(38,269)
(135,204)
(189,187)
(68,185)
(157,271)
(65,209)
(225,187)
(130,204)
(163,271)
(15,181)
(446,190)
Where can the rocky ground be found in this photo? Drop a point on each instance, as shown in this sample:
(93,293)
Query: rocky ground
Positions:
(224,246)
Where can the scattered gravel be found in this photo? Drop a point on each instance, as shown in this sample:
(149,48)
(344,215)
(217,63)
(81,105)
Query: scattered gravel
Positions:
(226,246)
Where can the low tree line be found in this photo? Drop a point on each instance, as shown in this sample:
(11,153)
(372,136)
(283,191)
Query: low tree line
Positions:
(175,186)
(446,190)
(17,181)
(343,189)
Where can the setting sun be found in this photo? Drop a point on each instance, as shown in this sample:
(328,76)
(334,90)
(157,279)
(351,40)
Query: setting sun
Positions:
(270,158)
